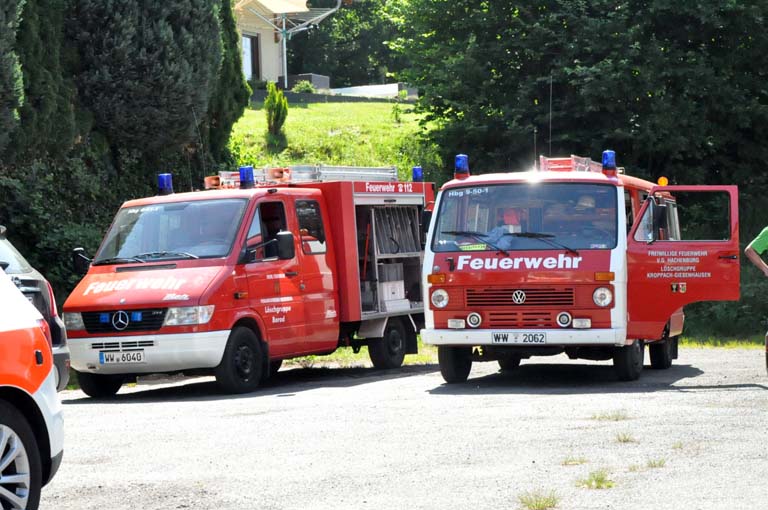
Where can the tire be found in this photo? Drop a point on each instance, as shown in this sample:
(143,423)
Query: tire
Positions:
(455,363)
(509,363)
(99,385)
(662,353)
(21,453)
(389,351)
(241,367)
(628,361)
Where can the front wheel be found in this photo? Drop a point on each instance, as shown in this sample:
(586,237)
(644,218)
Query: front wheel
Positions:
(509,363)
(628,360)
(241,367)
(21,472)
(389,351)
(99,385)
(455,363)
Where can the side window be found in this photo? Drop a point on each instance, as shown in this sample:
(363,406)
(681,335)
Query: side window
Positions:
(262,234)
(311,230)
(628,209)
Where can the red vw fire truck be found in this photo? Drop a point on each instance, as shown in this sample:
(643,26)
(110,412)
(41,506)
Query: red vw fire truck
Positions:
(232,281)
(572,257)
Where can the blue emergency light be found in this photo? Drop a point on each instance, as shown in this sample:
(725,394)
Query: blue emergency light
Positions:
(246,177)
(165,184)
(461,170)
(609,160)
(417,174)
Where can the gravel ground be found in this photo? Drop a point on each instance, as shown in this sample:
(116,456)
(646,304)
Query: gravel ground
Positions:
(356,439)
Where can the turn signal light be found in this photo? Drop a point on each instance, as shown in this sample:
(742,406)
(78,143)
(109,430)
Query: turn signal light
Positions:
(606,276)
(663,181)
(436,278)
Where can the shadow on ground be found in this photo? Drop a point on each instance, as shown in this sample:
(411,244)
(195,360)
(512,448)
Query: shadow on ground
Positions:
(284,383)
(563,379)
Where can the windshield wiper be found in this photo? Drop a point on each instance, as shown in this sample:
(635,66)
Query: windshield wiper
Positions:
(547,238)
(117,260)
(166,254)
(477,235)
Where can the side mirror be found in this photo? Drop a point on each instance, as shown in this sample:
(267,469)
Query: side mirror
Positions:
(80,263)
(286,249)
(659,219)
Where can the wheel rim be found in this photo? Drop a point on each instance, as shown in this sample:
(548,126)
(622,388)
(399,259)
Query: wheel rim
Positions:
(15,477)
(394,342)
(244,362)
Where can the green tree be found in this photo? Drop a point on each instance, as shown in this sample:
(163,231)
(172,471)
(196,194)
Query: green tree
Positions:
(148,68)
(48,123)
(672,87)
(231,94)
(11,88)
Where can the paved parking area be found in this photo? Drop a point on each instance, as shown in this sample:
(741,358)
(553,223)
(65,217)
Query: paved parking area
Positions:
(358,438)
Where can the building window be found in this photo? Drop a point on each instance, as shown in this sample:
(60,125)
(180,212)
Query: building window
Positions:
(251,63)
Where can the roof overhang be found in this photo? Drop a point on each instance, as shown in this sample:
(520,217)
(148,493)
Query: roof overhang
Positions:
(274,6)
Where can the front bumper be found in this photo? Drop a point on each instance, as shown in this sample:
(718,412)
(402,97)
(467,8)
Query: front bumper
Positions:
(517,337)
(162,353)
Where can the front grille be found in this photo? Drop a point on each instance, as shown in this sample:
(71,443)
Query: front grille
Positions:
(138,320)
(534,296)
(121,346)
(520,319)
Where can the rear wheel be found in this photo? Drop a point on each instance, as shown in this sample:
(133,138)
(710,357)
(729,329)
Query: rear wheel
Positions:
(100,385)
(274,366)
(509,362)
(628,360)
(21,472)
(389,351)
(455,363)
(240,369)
(662,353)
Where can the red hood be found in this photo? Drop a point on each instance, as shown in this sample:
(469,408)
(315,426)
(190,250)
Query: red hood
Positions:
(485,267)
(104,289)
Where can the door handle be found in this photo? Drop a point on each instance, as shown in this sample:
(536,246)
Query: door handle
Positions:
(291,273)
(728,257)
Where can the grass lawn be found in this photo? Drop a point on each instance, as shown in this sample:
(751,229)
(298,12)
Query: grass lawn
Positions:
(345,134)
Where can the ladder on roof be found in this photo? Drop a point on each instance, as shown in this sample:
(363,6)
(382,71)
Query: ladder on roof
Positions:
(305,173)
(572,164)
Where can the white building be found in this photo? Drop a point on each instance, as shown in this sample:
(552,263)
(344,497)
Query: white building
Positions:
(265,27)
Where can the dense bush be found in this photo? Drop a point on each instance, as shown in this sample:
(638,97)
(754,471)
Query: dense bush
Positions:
(304,87)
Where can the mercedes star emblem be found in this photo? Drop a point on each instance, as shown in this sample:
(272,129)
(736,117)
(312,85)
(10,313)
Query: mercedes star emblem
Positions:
(120,320)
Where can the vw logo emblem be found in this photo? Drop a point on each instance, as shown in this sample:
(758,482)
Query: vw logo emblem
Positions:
(518,297)
(120,320)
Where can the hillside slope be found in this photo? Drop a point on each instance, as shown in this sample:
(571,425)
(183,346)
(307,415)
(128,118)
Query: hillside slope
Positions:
(355,134)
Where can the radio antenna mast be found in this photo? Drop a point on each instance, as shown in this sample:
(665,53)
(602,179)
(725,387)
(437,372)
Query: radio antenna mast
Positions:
(534,147)
(550,115)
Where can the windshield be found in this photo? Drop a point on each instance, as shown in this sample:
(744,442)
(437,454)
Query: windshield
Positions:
(16,263)
(178,230)
(527,216)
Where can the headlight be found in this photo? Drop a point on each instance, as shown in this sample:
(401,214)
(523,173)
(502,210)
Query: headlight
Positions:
(73,321)
(187,315)
(439,298)
(602,296)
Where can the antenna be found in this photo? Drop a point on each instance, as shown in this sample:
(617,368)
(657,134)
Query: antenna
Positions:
(550,115)
(535,151)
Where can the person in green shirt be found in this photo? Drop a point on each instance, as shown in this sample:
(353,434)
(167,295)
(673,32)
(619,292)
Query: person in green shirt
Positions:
(756,248)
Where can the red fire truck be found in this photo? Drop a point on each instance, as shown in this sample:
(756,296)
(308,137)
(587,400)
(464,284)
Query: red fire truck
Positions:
(232,281)
(572,257)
